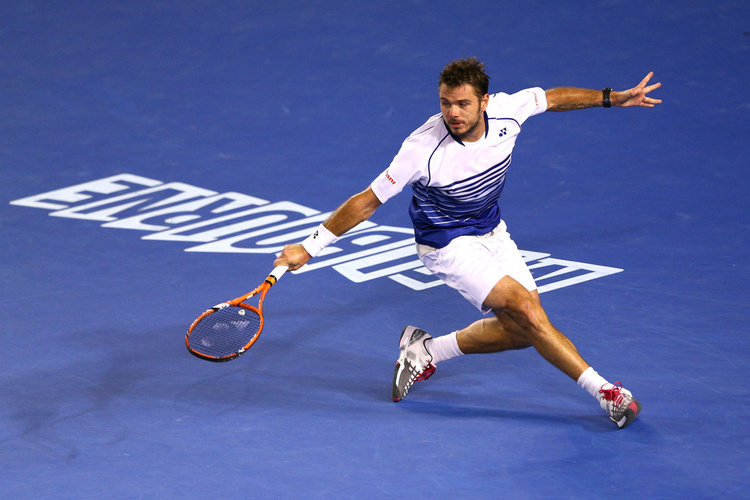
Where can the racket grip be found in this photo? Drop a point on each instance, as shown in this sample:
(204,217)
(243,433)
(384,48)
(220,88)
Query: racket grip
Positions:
(277,273)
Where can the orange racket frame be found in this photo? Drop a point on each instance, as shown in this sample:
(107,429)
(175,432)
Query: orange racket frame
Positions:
(262,289)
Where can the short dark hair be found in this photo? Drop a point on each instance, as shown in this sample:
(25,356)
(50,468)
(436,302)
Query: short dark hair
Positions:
(466,72)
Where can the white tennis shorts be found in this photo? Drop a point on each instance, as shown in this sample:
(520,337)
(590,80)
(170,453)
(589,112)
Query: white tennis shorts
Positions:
(474,264)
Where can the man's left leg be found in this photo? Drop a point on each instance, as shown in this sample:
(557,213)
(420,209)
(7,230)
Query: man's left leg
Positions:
(510,298)
(419,352)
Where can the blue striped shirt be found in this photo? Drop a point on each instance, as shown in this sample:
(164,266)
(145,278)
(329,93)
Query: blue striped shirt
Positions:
(456,185)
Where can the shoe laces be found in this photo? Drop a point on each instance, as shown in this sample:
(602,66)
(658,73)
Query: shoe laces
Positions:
(612,394)
(426,373)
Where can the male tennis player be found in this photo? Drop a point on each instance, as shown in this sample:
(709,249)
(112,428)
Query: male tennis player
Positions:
(456,164)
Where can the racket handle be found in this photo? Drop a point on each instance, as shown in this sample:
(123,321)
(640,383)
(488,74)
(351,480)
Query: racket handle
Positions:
(277,273)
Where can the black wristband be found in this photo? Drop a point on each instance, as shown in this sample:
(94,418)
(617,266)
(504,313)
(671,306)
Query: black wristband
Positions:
(605,98)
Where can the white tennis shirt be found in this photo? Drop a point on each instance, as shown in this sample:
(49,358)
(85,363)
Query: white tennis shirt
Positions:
(456,185)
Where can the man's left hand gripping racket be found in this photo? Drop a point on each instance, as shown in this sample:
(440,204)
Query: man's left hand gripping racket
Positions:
(229,329)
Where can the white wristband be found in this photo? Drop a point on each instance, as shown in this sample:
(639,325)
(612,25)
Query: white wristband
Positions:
(317,241)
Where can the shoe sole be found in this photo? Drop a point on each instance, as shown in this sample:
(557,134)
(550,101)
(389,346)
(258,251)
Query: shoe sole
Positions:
(394,390)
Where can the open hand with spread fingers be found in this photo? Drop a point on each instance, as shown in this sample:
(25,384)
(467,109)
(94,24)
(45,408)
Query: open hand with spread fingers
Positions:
(637,95)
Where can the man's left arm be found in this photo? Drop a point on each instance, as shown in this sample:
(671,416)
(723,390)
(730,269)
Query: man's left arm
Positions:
(570,98)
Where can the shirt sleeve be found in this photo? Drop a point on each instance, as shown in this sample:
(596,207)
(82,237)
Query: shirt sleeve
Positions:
(407,166)
(385,186)
(524,104)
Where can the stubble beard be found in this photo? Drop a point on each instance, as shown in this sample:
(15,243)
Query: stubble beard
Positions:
(469,131)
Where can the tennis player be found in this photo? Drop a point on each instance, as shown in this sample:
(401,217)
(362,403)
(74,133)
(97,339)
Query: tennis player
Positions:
(456,164)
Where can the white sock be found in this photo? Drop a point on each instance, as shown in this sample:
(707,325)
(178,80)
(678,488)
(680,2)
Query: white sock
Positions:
(592,382)
(443,348)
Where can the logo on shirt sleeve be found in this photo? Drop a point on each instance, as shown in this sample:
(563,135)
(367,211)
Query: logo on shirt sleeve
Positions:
(390,179)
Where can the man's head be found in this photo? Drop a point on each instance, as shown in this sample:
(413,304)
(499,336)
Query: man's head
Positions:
(463,98)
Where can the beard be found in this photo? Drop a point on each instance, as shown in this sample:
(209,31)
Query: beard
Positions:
(470,128)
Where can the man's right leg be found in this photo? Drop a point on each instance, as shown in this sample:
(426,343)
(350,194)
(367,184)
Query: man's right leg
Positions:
(494,334)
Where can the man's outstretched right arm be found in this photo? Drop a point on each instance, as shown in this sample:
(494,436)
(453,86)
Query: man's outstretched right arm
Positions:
(356,209)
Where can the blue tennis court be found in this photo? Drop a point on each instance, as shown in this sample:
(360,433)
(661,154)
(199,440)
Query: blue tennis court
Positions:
(155,156)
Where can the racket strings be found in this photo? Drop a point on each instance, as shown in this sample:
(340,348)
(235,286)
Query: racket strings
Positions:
(225,332)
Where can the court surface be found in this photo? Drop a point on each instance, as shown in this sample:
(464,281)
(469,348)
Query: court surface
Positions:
(155,155)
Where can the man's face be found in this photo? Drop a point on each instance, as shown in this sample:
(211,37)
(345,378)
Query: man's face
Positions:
(463,111)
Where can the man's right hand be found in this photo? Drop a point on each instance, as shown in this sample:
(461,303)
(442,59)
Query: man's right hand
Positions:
(294,256)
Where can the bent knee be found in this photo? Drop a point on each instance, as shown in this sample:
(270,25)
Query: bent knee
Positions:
(523,307)
(527,313)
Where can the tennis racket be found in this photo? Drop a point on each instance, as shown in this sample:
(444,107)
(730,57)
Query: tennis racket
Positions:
(228,329)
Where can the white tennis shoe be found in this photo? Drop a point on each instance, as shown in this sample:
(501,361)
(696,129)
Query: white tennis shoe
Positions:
(414,362)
